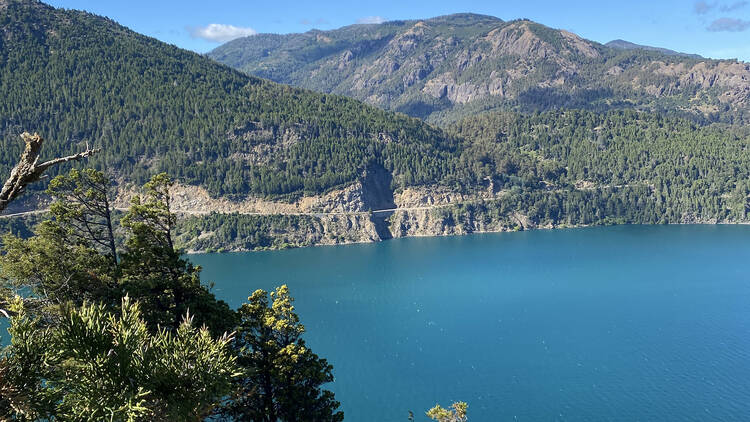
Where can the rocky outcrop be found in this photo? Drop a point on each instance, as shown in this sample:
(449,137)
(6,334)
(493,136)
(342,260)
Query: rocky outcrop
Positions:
(259,143)
(274,232)
(367,211)
(416,197)
(424,223)
(518,40)
(195,200)
(445,86)
(580,46)
(453,220)
(339,229)
(337,217)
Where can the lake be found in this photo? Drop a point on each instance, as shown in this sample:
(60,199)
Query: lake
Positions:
(620,323)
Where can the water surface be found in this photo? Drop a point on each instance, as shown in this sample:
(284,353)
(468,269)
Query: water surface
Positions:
(623,323)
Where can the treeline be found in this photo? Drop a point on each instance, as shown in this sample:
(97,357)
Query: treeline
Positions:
(562,168)
(155,108)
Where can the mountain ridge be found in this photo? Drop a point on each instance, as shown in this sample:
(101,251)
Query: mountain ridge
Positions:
(154,107)
(627,45)
(442,69)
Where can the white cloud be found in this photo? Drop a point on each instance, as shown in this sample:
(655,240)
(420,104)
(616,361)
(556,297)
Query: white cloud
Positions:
(371,19)
(218,32)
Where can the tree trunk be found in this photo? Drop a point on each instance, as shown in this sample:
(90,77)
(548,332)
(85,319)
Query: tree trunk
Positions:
(28,170)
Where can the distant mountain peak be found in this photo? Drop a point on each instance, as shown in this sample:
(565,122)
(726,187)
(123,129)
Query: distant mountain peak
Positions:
(443,68)
(464,17)
(627,45)
(4,3)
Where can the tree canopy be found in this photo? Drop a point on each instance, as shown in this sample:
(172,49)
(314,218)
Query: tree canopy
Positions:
(132,333)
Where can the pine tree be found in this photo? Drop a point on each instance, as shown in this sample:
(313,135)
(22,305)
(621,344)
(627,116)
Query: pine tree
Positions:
(283,376)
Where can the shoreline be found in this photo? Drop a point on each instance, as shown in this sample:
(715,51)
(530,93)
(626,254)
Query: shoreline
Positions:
(573,227)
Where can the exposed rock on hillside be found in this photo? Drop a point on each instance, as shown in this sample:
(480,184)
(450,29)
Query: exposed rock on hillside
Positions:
(446,67)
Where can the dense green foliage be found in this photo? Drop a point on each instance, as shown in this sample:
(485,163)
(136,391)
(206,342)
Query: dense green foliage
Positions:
(561,168)
(105,313)
(97,365)
(102,334)
(248,232)
(65,262)
(287,375)
(19,226)
(449,67)
(155,108)
(522,208)
(660,170)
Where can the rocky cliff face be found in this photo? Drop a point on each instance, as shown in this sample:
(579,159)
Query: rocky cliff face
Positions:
(367,211)
(442,68)
(447,222)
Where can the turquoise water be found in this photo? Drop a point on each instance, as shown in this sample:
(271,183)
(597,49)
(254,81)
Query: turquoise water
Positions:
(625,323)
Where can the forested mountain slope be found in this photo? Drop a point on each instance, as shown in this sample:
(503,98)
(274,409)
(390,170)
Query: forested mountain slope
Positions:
(281,166)
(448,67)
(555,169)
(75,77)
(683,172)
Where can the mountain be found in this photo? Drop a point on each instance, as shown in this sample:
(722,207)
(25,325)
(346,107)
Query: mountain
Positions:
(76,77)
(449,67)
(308,164)
(627,45)
(263,165)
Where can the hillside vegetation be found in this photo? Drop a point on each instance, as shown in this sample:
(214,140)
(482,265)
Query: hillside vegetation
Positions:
(75,77)
(682,172)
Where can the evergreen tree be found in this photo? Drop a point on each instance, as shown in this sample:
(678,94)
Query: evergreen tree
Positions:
(97,365)
(154,272)
(95,338)
(84,208)
(283,378)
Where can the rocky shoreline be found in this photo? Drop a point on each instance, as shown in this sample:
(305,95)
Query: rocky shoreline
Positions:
(364,212)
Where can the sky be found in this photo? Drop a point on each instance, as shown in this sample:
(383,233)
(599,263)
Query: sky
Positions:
(716,29)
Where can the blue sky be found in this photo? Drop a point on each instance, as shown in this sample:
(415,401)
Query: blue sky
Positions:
(718,29)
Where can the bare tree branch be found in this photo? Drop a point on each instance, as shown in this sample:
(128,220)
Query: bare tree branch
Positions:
(29,170)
